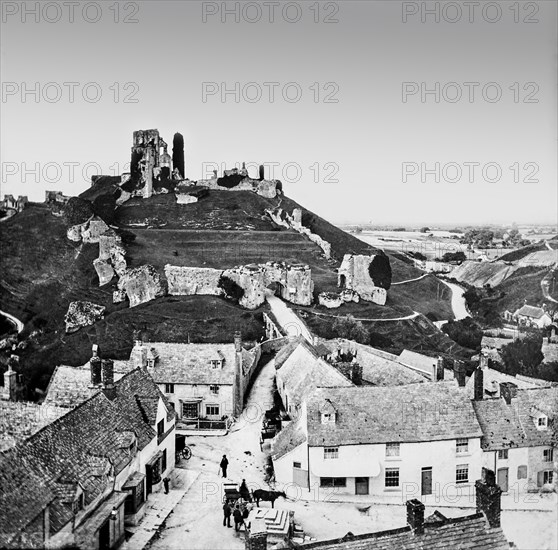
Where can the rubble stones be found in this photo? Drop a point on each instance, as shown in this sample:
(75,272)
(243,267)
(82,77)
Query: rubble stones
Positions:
(82,314)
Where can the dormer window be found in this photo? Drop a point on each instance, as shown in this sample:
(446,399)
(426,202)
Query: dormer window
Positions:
(541,422)
(328,418)
(215,363)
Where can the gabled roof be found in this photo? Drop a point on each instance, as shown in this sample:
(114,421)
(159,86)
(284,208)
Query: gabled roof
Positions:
(531,311)
(83,446)
(500,425)
(288,439)
(304,371)
(465,533)
(411,413)
(190,363)
(417,360)
(493,342)
(492,379)
(544,400)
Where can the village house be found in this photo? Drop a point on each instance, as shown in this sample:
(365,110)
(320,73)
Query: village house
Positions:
(531,316)
(78,480)
(517,440)
(480,531)
(205,383)
(430,367)
(379,440)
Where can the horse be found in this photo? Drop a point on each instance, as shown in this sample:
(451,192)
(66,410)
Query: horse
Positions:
(272,496)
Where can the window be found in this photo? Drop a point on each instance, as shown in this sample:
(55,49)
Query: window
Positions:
(548,476)
(161,427)
(522,472)
(462,473)
(542,422)
(503,454)
(462,446)
(392,449)
(328,418)
(333,482)
(297,465)
(215,364)
(169,388)
(212,410)
(214,389)
(331,452)
(548,455)
(392,477)
(189,410)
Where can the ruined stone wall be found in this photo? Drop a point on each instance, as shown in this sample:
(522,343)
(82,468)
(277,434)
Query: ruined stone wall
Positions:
(265,188)
(188,281)
(112,257)
(89,231)
(252,280)
(140,285)
(354,274)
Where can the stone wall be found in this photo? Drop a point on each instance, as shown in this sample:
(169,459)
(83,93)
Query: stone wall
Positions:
(89,231)
(188,281)
(265,188)
(140,285)
(111,258)
(82,314)
(294,221)
(354,274)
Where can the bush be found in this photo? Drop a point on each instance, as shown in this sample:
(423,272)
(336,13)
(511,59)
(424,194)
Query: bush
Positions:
(231,289)
(348,327)
(523,356)
(104,206)
(77,210)
(465,332)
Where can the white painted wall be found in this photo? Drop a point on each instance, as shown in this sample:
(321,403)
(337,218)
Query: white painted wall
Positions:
(187,392)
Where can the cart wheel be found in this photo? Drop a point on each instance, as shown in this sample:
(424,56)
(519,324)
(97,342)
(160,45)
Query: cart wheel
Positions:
(187,453)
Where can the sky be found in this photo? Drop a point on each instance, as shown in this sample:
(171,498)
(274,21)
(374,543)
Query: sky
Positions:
(382,112)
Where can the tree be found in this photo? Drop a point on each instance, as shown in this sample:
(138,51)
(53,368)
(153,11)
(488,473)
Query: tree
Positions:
(232,290)
(104,206)
(348,327)
(523,356)
(466,333)
(77,210)
(454,257)
(425,229)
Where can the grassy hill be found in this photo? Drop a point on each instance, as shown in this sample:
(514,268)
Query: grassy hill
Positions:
(42,272)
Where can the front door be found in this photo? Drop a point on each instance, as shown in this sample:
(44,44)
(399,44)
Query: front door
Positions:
(104,536)
(300,476)
(503,479)
(361,485)
(426,481)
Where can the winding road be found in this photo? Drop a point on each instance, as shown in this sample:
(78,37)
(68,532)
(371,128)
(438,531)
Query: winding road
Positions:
(14,320)
(458,304)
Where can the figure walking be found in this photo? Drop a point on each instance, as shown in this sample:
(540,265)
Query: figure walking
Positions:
(223,465)
(244,491)
(227,515)
(166,481)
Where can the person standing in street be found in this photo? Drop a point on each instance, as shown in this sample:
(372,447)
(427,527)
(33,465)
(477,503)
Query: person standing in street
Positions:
(223,465)
(238,519)
(227,515)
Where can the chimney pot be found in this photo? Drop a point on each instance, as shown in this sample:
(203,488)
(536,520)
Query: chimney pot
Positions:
(459,371)
(415,515)
(95,368)
(237,341)
(108,378)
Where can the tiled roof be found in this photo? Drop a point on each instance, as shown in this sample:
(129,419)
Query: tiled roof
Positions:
(465,533)
(492,379)
(500,424)
(418,360)
(190,363)
(303,372)
(530,311)
(412,413)
(20,419)
(79,447)
(514,425)
(288,438)
(69,386)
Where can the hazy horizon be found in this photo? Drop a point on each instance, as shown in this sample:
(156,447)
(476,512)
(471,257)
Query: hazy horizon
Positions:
(353,147)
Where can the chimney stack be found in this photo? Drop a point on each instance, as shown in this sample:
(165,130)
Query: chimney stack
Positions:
(508,390)
(95,367)
(108,378)
(483,363)
(10,379)
(479,384)
(256,536)
(440,368)
(139,351)
(237,341)
(415,516)
(356,373)
(459,371)
(489,497)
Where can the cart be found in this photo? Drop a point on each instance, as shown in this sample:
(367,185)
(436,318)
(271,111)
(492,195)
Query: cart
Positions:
(181,449)
(233,497)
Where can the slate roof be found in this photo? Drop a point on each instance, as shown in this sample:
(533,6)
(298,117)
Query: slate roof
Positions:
(19,420)
(417,360)
(190,363)
(80,447)
(492,379)
(530,311)
(411,413)
(288,439)
(464,533)
(506,426)
(303,372)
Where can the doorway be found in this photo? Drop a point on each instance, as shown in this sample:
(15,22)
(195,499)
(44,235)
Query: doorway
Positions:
(104,536)
(503,479)
(426,481)
(361,485)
